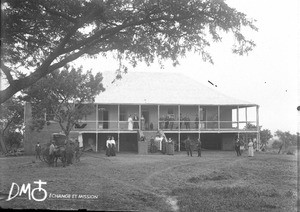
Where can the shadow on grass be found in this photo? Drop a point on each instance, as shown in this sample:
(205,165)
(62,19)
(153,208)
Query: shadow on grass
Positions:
(214,176)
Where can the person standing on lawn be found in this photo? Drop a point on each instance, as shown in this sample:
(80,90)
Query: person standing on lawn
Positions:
(188,146)
(237,147)
(108,147)
(250,148)
(199,147)
(113,146)
(51,153)
(38,150)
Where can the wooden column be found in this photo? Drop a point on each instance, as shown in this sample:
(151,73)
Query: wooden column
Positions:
(237,118)
(199,124)
(96,128)
(246,117)
(118,128)
(158,113)
(179,142)
(118,118)
(178,117)
(257,127)
(179,128)
(219,118)
(118,141)
(140,115)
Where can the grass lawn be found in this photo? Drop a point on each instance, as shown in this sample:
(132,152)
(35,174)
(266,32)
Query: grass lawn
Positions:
(218,181)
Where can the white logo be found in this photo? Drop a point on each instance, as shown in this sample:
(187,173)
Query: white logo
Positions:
(27,189)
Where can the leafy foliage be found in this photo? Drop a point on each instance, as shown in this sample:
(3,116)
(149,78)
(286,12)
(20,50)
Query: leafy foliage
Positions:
(286,138)
(65,96)
(277,144)
(265,136)
(44,36)
(11,120)
(13,139)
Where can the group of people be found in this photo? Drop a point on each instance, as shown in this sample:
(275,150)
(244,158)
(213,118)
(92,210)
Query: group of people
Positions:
(238,145)
(166,122)
(186,121)
(133,122)
(159,143)
(189,147)
(72,151)
(110,146)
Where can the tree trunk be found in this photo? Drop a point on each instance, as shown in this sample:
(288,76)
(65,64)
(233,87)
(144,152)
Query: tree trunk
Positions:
(280,149)
(2,144)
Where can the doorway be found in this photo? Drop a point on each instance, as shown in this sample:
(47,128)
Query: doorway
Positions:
(145,113)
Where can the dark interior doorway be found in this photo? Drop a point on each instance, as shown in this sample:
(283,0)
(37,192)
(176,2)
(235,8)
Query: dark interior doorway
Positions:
(211,141)
(128,142)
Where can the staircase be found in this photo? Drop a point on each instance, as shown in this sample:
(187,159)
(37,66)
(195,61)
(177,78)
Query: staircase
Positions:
(148,135)
(151,134)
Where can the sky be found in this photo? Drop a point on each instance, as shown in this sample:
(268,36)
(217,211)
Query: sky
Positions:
(267,76)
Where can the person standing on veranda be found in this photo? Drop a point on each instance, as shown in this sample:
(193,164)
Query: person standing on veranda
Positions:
(135,122)
(142,123)
(250,148)
(130,123)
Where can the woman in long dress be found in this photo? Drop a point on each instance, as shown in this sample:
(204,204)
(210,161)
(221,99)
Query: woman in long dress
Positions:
(130,123)
(142,123)
(250,149)
(113,146)
(108,146)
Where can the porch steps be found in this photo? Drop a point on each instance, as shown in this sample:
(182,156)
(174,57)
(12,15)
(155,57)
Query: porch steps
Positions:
(148,135)
(152,134)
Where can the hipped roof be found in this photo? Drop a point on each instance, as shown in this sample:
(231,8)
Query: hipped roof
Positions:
(164,89)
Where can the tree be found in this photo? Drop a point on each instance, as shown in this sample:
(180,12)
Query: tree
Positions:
(286,138)
(45,35)
(265,136)
(65,96)
(11,121)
